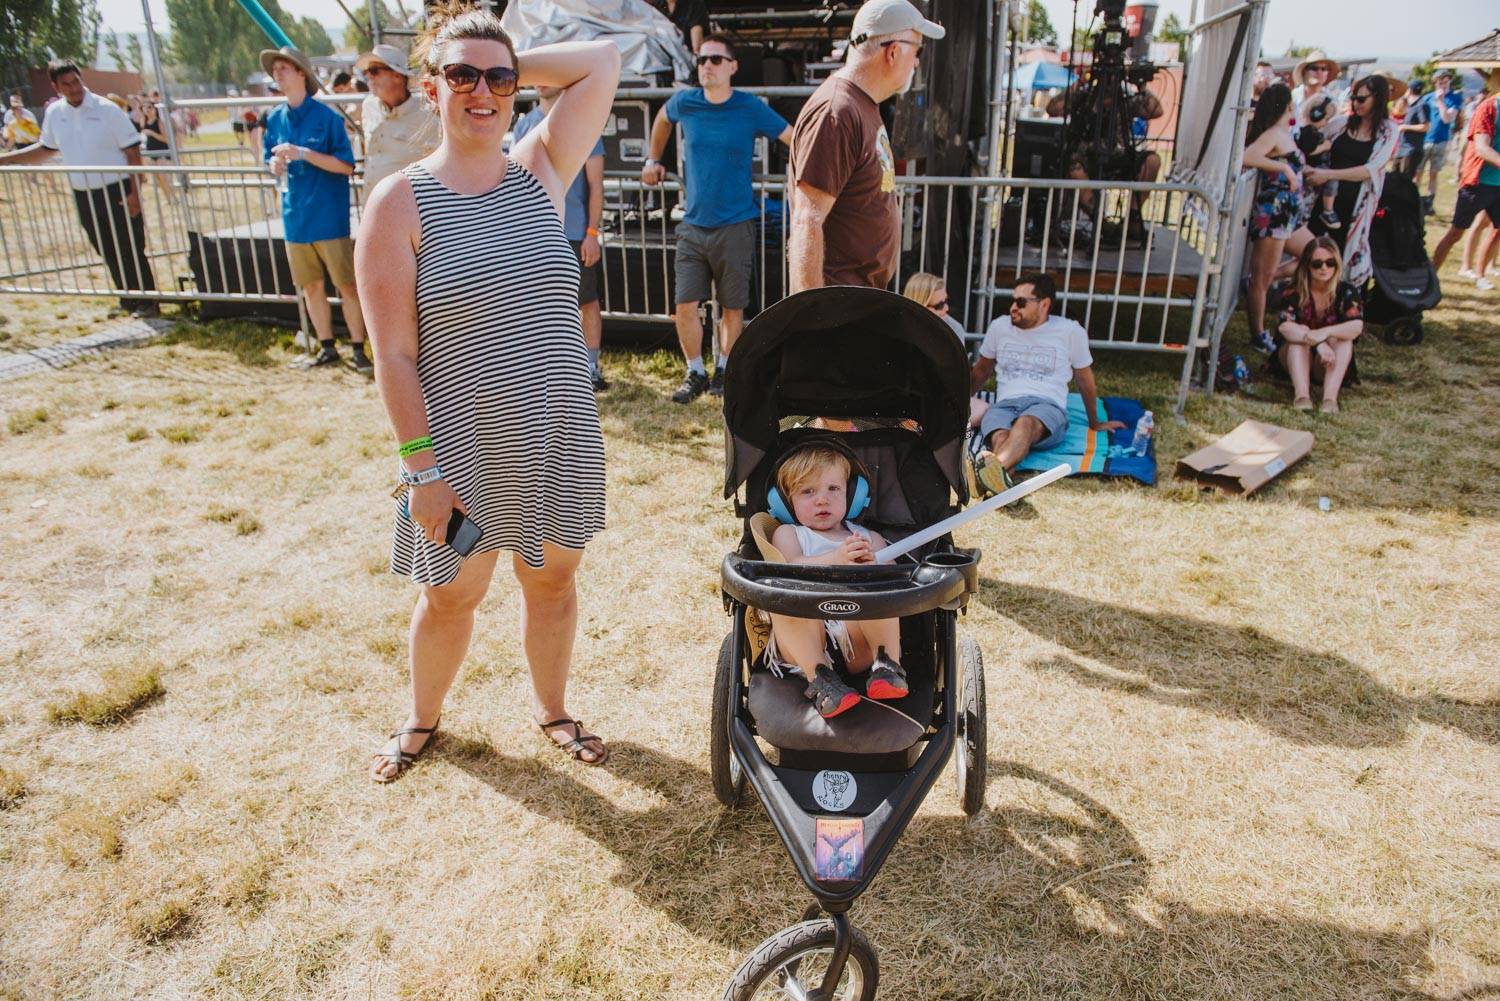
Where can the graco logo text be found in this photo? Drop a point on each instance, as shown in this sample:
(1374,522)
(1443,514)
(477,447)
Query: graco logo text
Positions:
(839,607)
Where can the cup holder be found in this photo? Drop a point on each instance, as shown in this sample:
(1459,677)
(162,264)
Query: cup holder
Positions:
(966,561)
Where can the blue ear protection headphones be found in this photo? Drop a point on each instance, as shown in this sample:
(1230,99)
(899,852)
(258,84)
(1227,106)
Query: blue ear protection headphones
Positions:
(858,489)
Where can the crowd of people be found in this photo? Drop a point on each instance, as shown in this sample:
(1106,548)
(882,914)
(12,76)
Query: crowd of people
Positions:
(1322,160)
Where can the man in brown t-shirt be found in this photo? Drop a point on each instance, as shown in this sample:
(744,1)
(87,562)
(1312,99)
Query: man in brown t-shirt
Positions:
(845,225)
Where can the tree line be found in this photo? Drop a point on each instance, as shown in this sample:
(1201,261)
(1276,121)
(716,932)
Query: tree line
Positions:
(207,41)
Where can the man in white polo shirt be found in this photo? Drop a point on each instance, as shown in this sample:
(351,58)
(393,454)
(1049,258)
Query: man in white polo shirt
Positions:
(399,127)
(89,131)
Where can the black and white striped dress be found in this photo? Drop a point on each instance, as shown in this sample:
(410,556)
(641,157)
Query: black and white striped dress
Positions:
(504,374)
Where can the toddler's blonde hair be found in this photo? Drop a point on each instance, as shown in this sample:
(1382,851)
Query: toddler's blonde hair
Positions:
(806,462)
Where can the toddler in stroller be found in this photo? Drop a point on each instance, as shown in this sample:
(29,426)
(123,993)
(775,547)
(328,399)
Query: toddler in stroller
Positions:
(819,489)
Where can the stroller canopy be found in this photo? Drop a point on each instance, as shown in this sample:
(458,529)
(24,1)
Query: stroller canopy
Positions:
(855,353)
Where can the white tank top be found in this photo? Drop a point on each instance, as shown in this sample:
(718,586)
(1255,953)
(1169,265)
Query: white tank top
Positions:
(814,544)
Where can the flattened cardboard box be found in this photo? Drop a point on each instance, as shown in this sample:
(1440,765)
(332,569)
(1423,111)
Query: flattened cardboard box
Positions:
(1247,458)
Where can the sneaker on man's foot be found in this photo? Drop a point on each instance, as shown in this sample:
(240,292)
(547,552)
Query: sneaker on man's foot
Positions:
(1330,219)
(600,383)
(993,477)
(716,384)
(324,358)
(146,311)
(694,386)
(1263,342)
(828,693)
(362,364)
(1483,284)
(1468,273)
(887,679)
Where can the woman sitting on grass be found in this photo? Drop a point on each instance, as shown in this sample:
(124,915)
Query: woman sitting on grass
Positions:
(1319,319)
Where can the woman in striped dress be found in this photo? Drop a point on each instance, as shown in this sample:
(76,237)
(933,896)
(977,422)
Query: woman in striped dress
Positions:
(471,294)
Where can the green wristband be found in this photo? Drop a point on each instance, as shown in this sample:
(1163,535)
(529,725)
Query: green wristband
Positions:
(416,445)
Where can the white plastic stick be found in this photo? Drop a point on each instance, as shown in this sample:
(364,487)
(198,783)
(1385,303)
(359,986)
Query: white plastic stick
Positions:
(1015,493)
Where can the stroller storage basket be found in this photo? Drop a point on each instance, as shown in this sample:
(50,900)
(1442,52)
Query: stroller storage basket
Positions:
(843,592)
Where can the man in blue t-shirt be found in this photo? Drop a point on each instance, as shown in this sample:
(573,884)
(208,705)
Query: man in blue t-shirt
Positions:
(1443,104)
(716,238)
(306,143)
(583,206)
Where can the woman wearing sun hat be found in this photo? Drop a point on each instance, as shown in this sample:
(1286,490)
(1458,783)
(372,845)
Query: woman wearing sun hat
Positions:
(1312,77)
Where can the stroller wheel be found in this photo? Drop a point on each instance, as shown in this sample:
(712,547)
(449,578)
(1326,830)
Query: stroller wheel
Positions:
(791,964)
(724,768)
(970,750)
(1404,331)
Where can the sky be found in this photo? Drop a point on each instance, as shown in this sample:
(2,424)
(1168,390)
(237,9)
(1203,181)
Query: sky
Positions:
(1390,28)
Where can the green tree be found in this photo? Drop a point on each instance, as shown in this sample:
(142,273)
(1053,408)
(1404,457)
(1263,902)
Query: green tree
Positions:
(1295,51)
(1037,25)
(357,32)
(34,31)
(135,55)
(215,41)
(114,50)
(1171,30)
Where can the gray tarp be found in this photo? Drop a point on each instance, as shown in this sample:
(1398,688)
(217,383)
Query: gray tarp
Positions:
(649,43)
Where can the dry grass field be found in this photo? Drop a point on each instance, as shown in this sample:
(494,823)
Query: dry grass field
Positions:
(1239,748)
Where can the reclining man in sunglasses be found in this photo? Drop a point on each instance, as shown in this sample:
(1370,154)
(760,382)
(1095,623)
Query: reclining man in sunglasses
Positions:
(1032,355)
(716,238)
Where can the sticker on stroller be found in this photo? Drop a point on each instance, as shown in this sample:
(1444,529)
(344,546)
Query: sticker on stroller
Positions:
(840,855)
(836,607)
(834,790)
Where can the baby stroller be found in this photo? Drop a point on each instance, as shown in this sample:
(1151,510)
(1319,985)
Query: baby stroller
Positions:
(1405,282)
(840,792)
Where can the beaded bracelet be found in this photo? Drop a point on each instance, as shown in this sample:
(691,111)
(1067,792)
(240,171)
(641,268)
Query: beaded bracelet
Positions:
(416,445)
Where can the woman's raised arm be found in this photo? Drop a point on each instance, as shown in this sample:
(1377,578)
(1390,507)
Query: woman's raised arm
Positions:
(588,72)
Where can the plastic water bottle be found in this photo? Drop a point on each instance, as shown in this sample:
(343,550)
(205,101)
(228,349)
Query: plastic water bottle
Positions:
(1241,373)
(1143,428)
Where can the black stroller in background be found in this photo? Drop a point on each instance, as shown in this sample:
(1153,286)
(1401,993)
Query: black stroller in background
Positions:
(1404,280)
(890,383)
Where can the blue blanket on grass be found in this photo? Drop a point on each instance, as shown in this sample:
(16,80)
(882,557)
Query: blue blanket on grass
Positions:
(1100,453)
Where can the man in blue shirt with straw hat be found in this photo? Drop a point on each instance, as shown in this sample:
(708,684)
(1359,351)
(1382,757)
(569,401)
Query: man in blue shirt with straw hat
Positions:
(306,143)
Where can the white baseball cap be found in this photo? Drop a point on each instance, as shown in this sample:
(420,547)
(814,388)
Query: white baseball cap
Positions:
(389,56)
(887,17)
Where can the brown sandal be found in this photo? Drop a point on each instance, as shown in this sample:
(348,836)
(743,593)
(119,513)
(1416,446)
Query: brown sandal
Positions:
(579,744)
(401,759)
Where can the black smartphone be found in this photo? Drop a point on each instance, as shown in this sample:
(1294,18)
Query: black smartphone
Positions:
(463,534)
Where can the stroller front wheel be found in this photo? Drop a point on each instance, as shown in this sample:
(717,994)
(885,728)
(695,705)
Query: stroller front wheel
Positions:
(790,965)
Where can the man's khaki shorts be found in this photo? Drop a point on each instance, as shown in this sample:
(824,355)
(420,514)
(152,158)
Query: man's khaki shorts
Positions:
(309,260)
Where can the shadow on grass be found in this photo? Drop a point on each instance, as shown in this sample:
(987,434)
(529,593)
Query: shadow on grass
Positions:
(1054,896)
(1299,694)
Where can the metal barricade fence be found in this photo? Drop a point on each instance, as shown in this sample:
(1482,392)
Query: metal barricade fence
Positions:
(1131,259)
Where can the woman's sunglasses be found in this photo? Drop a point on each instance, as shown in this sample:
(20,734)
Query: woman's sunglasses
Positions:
(716,59)
(1323,263)
(939,306)
(463,78)
(1362,98)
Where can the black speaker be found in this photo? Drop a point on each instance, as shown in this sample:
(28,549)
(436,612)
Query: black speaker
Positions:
(1036,149)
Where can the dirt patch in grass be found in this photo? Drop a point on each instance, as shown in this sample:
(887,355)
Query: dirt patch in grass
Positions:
(1240,749)
(125,690)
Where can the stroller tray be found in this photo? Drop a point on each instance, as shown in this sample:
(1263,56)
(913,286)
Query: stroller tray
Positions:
(843,592)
